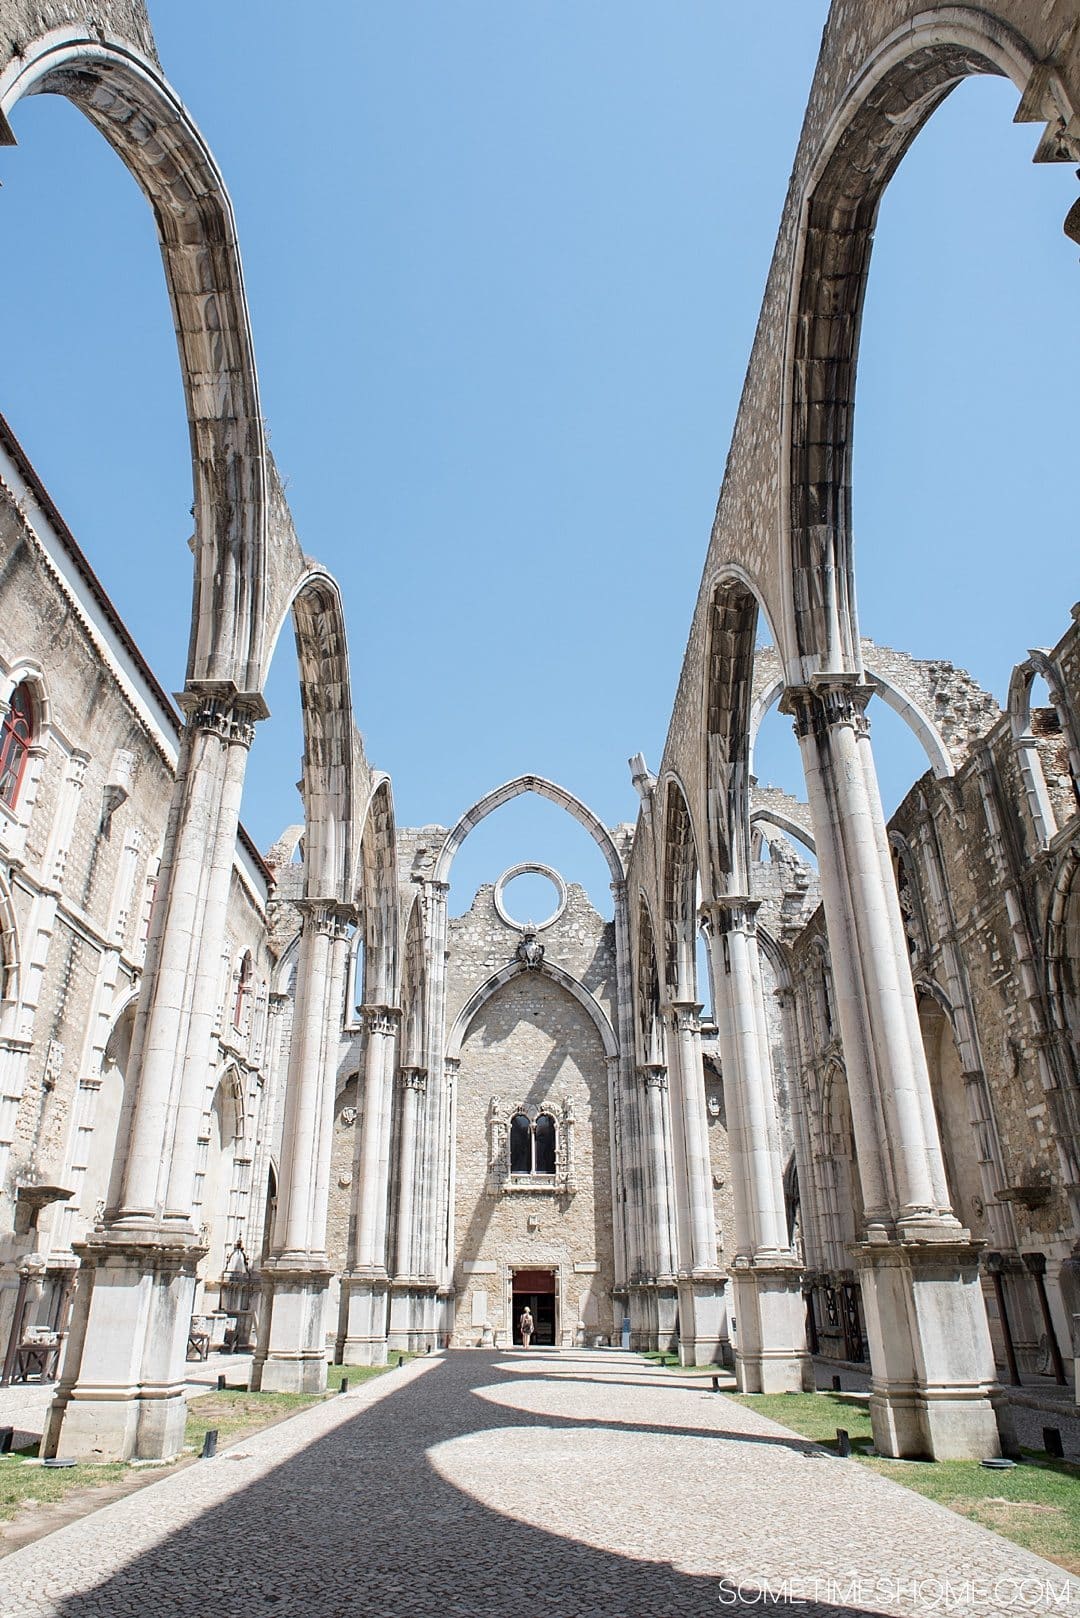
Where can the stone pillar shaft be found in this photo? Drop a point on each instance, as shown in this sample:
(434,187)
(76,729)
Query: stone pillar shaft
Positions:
(179,1003)
(303,1185)
(655,1083)
(761,1223)
(413,1086)
(374,1143)
(891,1105)
(699,1237)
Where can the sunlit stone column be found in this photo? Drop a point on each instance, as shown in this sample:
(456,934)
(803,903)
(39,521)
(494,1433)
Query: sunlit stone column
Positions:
(291,1354)
(933,1367)
(700,1283)
(659,1195)
(769,1339)
(413,1086)
(405,1322)
(122,1392)
(655,1080)
(364,1286)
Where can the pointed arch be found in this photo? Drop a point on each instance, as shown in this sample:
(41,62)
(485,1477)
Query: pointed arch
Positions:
(729,680)
(322,657)
(121,91)
(901,84)
(414,988)
(514,969)
(378,896)
(647,983)
(513,789)
(680,894)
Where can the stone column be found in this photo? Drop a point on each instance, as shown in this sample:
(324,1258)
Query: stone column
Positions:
(291,1354)
(413,1086)
(769,1338)
(660,1201)
(403,1321)
(364,1286)
(701,1285)
(122,1392)
(933,1367)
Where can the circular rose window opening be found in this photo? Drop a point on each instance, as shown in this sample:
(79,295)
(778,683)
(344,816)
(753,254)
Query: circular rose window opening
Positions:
(524,894)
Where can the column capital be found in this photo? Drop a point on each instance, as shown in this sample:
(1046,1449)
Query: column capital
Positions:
(379,1019)
(327,916)
(413,1078)
(686,1015)
(222,710)
(730,913)
(653,1075)
(827,702)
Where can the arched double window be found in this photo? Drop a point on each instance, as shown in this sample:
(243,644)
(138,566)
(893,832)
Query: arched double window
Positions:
(532,1144)
(16,736)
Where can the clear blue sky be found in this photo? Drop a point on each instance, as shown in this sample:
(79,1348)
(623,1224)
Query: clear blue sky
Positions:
(504,265)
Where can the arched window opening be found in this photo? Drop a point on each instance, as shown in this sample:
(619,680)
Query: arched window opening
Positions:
(16,737)
(544,1145)
(520,1145)
(532,1144)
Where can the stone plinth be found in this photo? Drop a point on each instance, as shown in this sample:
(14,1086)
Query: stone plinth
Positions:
(770,1328)
(122,1394)
(291,1357)
(933,1364)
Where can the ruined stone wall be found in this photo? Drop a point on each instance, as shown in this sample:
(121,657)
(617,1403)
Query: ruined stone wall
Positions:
(79,851)
(532,1043)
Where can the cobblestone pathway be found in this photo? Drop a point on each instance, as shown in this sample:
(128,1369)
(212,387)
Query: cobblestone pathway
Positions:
(508,1485)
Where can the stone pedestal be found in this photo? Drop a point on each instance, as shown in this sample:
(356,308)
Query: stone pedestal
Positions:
(934,1381)
(703,1327)
(362,1330)
(122,1394)
(640,1306)
(770,1328)
(291,1356)
(413,1315)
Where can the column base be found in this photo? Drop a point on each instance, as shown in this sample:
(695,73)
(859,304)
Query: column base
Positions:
(934,1383)
(362,1324)
(770,1329)
(413,1324)
(291,1356)
(654,1317)
(122,1396)
(703,1319)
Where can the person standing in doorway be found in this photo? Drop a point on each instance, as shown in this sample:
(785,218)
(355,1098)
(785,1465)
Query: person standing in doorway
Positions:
(526,1327)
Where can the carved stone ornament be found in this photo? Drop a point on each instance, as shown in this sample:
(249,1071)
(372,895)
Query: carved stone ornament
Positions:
(530,952)
(348,1116)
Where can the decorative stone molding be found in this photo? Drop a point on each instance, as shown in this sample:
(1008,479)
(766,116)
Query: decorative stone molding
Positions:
(500,1178)
(230,717)
(829,701)
(382,1020)
(414,1078)
(654,1076)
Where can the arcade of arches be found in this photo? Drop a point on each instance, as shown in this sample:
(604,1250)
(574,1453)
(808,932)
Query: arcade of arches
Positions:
(288,1099)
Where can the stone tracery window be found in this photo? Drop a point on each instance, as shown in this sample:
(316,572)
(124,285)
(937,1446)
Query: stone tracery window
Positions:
(16,736)
(531,1149)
